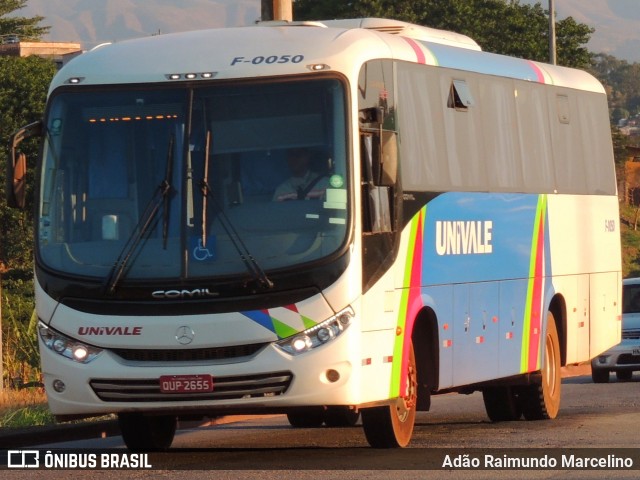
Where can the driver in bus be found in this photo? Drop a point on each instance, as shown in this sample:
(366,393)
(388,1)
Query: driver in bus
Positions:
(304,184)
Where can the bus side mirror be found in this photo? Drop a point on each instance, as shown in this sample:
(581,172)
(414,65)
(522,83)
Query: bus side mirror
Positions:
(18,190)
(16,178)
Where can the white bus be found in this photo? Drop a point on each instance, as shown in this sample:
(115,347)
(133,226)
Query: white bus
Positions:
(456,229)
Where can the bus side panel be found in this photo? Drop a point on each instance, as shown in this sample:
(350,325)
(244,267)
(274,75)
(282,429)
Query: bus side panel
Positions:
(575,292)
(584,231)
(585,234)
(470,246)
(476,332)
(512,311)
(606,324)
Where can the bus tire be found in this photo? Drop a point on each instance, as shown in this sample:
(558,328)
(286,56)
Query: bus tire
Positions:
(502,404)
(541,400)
(624,375)
(392,426)
(308,417)
(600,375)
(147,433)
(341,417)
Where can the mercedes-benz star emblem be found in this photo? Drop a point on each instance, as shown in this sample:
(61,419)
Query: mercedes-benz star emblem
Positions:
(184,335)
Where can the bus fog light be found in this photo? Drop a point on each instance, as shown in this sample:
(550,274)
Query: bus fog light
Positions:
(332,375)
(317,335)
(59,386)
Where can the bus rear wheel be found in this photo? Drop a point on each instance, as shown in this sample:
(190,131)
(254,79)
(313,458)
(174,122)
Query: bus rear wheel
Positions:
(502,403)
(147,433)
(392,426)
(541,400)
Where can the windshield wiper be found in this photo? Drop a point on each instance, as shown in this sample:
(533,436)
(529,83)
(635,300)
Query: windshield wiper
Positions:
(165,188)
(250,262)
(161,196)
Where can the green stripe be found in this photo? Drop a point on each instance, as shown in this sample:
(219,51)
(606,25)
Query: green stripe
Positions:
(526,328)
(282,329)
(404,305)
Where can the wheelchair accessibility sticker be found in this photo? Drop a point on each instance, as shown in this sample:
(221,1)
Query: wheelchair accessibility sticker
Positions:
(200,252)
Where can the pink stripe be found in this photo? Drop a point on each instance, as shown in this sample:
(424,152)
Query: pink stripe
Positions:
(536,301)
(416,48)
(538,72)
(415,302)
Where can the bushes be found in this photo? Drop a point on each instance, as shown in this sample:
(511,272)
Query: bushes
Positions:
(21,359)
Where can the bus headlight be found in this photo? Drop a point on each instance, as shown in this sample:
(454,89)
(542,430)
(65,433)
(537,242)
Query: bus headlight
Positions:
(318,335)
(67,347)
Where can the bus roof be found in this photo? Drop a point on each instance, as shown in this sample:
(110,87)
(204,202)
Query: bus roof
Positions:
(279,48)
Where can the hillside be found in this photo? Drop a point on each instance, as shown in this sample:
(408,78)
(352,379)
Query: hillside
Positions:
(92,22)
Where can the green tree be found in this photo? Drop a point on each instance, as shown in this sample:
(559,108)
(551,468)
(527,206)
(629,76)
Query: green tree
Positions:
(23,89)
(499,26)
(620,79)
(25,27)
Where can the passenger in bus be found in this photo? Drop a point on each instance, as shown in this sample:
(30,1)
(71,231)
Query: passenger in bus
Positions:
(304,183)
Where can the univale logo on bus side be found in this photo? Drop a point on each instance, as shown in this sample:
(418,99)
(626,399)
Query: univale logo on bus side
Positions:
(464,237)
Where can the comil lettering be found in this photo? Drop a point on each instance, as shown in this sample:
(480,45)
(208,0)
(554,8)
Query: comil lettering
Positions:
(463,238)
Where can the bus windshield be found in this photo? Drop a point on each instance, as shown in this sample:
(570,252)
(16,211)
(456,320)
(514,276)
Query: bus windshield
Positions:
(187,182)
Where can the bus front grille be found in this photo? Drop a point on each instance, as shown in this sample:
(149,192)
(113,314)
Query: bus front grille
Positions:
(188,355)
(225,388)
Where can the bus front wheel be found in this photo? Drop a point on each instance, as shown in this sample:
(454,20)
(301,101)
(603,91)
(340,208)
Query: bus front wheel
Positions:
(308,417)
(541,400)
(392,426)
(147,433)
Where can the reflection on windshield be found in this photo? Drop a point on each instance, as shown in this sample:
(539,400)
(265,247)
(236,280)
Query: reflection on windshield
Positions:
(254,179)
(631,298)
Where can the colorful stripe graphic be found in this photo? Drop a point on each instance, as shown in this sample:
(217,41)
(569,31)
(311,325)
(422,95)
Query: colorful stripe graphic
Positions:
(283,321)
(421,51)
(409,302)
(538,71)
(530,359)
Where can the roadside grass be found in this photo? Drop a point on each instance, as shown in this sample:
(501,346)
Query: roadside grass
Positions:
(28,408)
(24,408)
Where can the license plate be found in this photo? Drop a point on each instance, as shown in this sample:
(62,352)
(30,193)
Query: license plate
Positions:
(186,383)
(635,351)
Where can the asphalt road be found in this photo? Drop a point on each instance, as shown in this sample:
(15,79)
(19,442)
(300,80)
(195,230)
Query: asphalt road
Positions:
(601,416)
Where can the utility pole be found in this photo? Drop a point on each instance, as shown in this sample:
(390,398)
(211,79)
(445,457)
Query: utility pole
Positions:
(277,10)
(552,33)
